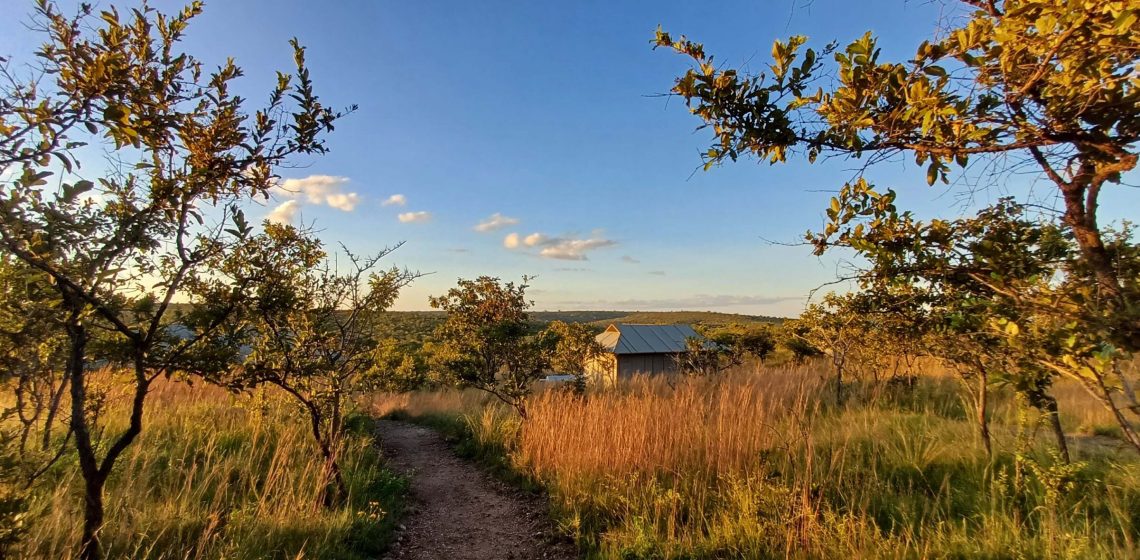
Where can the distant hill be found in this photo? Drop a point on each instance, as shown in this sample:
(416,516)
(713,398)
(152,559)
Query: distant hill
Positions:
(417,326)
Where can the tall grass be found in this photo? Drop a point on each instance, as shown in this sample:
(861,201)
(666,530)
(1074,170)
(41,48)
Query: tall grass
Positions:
(215,475)
(763,464)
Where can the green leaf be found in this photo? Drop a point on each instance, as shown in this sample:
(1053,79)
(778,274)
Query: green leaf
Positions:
(936,71)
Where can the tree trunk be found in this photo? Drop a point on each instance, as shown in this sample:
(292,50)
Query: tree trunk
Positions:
(336,489)
(1080,215)
(88,467)
(92,517)
(983,415)
(1102,393)
(333,487)
(53,409)
(838,363)
(1058,432)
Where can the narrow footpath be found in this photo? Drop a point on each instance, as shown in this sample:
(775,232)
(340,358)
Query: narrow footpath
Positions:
(459,512)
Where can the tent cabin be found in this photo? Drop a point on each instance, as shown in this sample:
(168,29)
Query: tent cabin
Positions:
(629,350)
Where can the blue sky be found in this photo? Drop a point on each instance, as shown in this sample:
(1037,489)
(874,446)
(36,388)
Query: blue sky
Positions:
(548,114)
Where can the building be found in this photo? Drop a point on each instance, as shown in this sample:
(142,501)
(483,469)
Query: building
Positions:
(629,350)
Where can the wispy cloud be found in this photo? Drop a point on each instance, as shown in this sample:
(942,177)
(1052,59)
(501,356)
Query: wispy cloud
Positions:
(497,221)
(562,248)
(285,213)
(657,272)
(395,200)
(414,217)
(573,269)
(629,259)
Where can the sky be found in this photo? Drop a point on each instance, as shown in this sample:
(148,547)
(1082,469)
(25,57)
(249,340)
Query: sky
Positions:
(511,138)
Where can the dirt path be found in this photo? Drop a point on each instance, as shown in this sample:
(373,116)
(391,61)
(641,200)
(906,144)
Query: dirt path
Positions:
(459,512)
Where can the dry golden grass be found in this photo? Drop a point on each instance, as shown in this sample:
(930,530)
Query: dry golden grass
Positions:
(763,464)
(216,475)
(648,426)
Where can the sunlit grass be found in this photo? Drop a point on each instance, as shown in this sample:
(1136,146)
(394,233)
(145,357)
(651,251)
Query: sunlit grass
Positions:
(216,475)
(763,464)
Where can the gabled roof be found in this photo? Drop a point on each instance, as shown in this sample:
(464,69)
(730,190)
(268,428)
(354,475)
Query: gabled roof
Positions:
(645,339)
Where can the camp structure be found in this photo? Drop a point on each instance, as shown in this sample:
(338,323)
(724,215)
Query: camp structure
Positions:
(629,350)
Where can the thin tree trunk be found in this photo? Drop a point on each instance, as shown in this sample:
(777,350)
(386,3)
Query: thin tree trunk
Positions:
(53,409)
(983,414)
(333,488)
(1102,393)
(838,363)
(93,482)
(1058,432)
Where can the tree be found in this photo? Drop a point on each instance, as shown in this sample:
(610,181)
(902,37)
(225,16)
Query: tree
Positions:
(398,366)
(313,328)
(32,351)
(1050,82)
(741,341)
(970,283)
(572,348)
(120,249)
(794,339)
(837,327)
(485,341)
(13,501)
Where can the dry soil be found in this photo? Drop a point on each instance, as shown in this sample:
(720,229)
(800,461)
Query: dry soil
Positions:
(457,511)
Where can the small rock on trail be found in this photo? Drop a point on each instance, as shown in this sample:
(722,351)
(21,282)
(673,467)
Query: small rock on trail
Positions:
(458,512)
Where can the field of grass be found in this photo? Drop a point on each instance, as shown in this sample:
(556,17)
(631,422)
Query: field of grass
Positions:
(221,476)
(763,464)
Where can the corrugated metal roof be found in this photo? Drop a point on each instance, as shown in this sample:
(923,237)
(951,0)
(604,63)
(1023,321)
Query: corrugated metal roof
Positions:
(646,339)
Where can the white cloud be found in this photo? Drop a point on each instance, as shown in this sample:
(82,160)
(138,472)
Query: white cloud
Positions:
(562,248)
(285,213)
(414,217)
(318,190)
(573,249)
(629,259)
(346,202)
(395,200)
(496,221)
(657,272)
